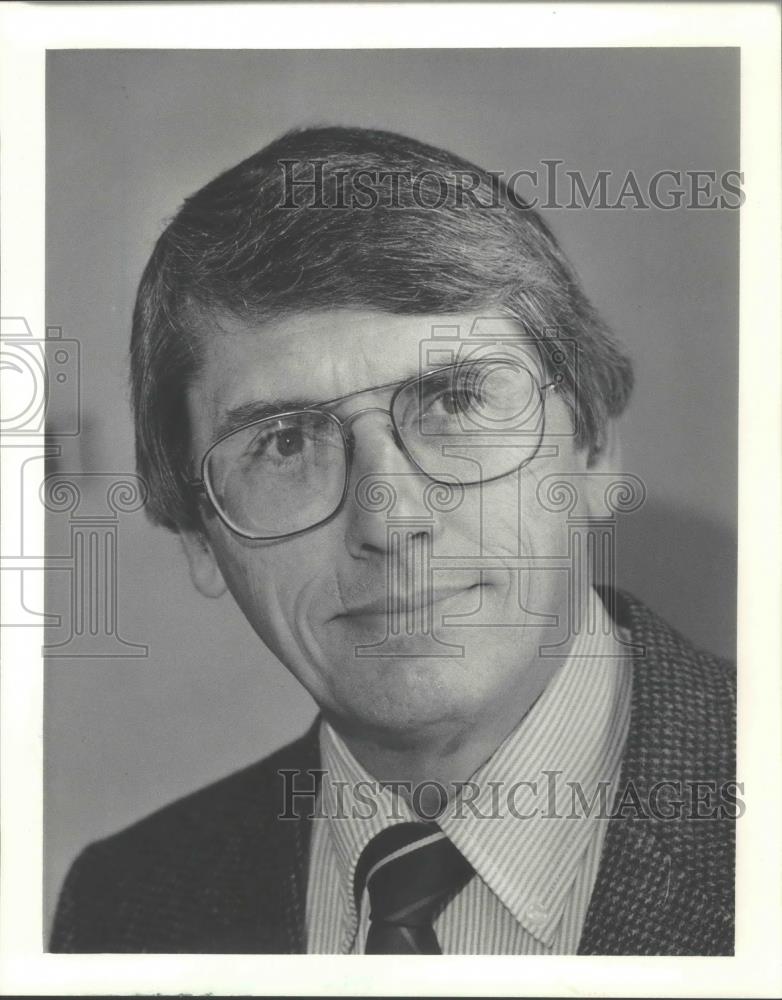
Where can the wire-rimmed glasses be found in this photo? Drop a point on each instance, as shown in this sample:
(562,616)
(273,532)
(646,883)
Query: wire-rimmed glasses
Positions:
(466,423)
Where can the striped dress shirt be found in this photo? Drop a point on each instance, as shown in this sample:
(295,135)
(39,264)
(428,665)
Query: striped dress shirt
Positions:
(532,839)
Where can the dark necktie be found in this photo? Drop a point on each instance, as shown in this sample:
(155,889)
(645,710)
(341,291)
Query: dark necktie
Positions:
(409,870)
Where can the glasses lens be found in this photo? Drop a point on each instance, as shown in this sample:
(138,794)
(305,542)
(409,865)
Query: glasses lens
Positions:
(278,476)
(472,422)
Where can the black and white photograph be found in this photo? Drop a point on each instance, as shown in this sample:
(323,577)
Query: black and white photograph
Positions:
(373,475)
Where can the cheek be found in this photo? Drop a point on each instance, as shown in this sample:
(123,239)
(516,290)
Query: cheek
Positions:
(249,581)
(506,518)
(516,525)
(275,583)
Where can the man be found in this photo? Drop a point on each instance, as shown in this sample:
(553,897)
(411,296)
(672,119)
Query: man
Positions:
(373,400)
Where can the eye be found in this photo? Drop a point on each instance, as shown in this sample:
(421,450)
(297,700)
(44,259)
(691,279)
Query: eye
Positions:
(451,397)
(283,442)
(289,441)
(456,401)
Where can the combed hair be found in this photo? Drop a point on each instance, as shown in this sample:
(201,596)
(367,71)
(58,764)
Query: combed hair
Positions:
(233,247)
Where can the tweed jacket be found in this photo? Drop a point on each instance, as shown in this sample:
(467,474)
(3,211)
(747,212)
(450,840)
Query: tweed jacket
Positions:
(220,872)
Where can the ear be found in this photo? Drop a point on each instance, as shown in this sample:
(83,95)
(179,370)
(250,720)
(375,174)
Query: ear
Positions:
(603,461)
(204,571)
(606,455)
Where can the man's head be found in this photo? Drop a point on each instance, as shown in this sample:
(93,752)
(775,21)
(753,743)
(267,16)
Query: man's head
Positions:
(267,296)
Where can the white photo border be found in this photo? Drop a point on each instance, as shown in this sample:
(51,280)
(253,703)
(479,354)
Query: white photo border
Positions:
(26,32)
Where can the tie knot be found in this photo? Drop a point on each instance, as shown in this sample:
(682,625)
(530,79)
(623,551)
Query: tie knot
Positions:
(409,870)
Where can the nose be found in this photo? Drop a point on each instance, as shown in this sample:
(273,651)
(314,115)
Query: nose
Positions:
(385,486)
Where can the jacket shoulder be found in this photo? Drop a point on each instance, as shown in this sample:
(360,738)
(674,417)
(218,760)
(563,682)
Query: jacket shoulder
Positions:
(671,840)
(674,669)
(189,870)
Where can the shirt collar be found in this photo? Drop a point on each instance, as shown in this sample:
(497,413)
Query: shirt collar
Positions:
(525,841)
(356,808)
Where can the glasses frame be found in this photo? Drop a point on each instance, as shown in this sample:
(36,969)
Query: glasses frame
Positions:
(203,486)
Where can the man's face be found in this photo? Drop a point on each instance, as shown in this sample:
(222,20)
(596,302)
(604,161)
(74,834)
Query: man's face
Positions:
(387,650)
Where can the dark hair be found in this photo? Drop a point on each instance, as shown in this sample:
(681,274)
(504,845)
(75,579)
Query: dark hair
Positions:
(255,245)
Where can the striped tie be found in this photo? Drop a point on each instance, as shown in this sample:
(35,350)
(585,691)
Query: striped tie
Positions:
(409,870)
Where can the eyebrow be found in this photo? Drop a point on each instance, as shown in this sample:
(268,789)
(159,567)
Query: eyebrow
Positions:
(254,410)
(249,413)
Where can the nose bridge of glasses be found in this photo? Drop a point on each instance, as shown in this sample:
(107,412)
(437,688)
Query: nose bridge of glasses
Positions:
(348,420)
(342,408)
(389,425)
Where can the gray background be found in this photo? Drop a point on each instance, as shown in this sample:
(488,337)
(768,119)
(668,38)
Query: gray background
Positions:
(129,134)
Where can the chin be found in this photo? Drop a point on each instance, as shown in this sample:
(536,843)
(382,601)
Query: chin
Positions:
(403,696)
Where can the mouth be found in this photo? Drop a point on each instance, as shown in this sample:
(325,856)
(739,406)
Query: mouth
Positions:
(404,603)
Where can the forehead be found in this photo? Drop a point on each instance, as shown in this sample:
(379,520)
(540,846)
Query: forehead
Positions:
(339,346)
(317,356)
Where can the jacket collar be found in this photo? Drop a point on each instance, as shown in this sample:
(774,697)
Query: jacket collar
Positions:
(661,865)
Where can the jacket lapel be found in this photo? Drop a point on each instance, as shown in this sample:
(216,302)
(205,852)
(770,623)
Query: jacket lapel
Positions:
(282,850)
(654,893)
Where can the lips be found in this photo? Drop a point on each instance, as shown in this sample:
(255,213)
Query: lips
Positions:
(403,603)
